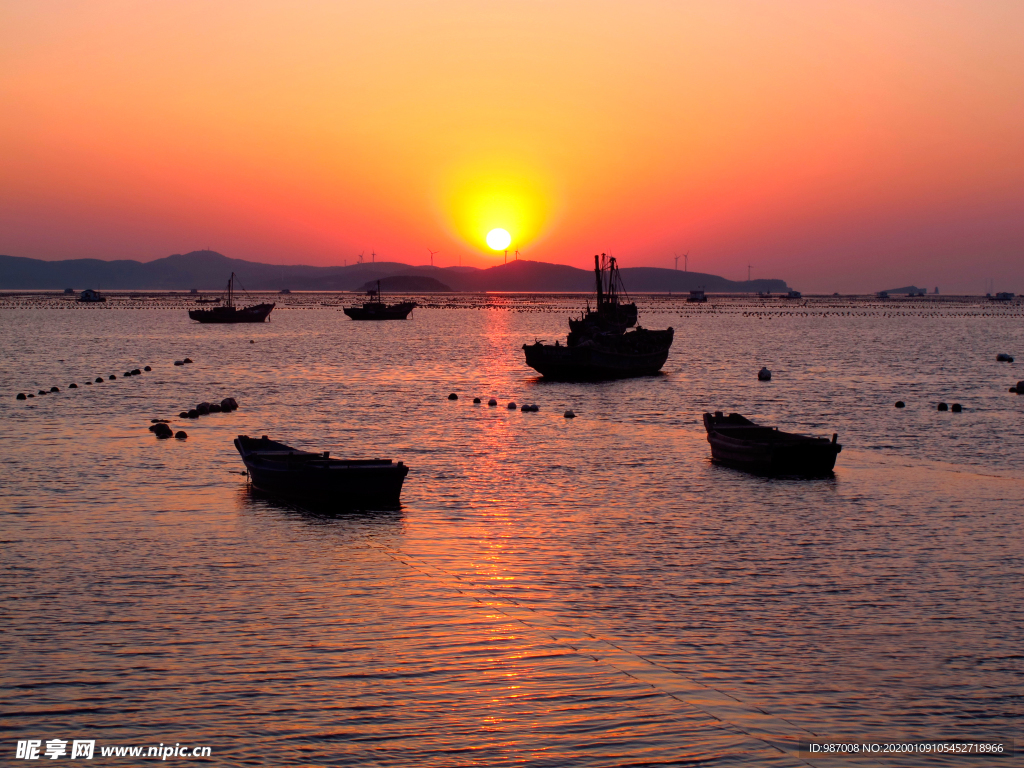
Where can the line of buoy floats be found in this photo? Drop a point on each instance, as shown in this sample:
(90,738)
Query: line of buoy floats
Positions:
(512,406)
(97,380)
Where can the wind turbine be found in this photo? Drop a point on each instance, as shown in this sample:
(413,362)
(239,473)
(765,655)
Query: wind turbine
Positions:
(676,257)
(360,258)
(749,267)
(517,255)
(373,257)
(432,256)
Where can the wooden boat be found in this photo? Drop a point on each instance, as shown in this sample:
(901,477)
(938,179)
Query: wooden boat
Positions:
(739,442)
(376,309)
(229,313)
(598,345)
(315,477)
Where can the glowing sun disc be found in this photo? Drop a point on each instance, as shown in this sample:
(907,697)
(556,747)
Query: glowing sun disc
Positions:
(498,239)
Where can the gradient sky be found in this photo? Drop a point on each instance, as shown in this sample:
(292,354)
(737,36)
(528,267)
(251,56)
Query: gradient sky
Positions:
(846,146)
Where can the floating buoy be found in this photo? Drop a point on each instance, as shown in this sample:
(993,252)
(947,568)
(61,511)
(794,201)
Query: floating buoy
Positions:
(476,401)
(187,360)
(127,374)
(943,407)
(147,368)
(900,404)
(203,408)
(957,408)
(1002,357)
(1013,389)
(511,406)
(99,379)
(112,377)
(228,404)
(453,396)
(88,383)
(21,396)
(1020,387)
(183,415)
(251,341)
(492,402)
(31,395)
(181,435)
(72,385)
(215,408)
(55,389)
(136,372)
(178,362)
(569,414)
(161,430)
(193,414)
(764,375)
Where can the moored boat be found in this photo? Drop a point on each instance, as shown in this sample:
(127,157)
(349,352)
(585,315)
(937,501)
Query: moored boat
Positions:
(598,345)
(229,313)
(89,296)
(738,442)
(376,309)
(315,477)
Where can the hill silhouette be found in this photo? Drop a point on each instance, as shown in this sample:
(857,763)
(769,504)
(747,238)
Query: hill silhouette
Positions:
(209,270)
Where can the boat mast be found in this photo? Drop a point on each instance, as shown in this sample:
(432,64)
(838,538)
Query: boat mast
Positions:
(600,287)
(613,297)
(231,281)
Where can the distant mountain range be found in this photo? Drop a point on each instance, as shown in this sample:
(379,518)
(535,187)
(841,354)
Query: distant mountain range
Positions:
(208,270)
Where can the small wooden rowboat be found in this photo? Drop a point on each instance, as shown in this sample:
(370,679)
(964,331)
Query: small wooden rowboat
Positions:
(315,477)
(739,442)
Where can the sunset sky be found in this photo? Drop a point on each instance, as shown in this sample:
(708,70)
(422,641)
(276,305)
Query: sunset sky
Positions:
(837,145)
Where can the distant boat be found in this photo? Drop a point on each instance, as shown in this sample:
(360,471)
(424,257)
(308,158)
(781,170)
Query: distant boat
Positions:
(598,345)
(315,477)
(89,296)
(376,309)
(697,297)
(739,442)
(229,313)
(793,295)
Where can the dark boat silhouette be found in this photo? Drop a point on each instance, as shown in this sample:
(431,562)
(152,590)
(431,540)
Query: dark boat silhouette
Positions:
(315,477)
(229,313)
(599,346)
(376,309)
(738,442)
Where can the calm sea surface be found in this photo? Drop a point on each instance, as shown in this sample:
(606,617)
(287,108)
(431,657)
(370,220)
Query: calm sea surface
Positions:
(553,592)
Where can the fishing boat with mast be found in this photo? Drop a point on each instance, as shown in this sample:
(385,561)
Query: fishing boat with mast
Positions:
(376,309)
(599,346)
(229,313)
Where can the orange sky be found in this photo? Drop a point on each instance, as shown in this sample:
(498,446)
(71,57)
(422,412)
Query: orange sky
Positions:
(839,145)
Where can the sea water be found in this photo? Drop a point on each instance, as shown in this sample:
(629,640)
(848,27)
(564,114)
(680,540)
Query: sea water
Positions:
(589,591)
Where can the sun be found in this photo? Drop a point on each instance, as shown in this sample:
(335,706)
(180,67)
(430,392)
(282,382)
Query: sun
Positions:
(498,239)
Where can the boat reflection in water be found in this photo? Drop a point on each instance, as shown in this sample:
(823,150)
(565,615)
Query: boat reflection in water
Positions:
(318,479)
(599,346)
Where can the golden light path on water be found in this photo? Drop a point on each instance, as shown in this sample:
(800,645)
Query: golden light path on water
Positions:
(587,592)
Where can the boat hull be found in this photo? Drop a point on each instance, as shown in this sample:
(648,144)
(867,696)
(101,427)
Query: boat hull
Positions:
(382,312)
(254,314)
(640,353)
(341,484)
(766,451)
